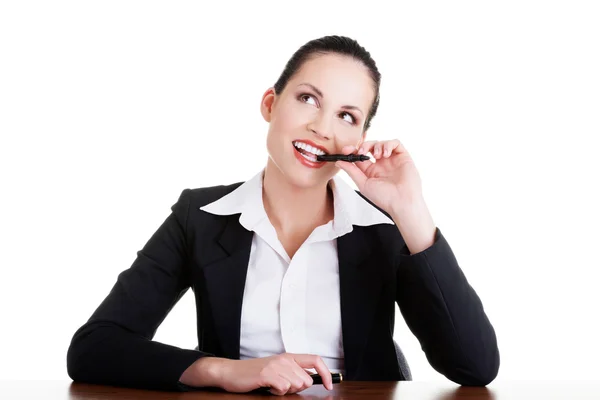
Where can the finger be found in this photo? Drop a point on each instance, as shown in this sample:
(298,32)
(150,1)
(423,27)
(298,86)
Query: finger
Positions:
(388,147)
(325,373)
(316,362)
(366,147)
(348,150)
(297,382)
(364,166)
(304,377)
(290,370)
(378,150)
(393,146)
(279,385)
(355,173)
(400,148)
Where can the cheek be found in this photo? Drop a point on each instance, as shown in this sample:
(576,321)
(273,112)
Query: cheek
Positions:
(293,115)
(273,139)
(278,140)
(349,136)
(281,128)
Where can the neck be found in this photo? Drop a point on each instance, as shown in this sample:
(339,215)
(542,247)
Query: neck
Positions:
(290,207)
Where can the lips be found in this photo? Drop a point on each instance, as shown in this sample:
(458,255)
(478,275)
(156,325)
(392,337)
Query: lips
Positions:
(307,159)
(312,146)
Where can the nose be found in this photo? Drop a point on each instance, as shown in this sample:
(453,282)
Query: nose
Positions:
(320,126)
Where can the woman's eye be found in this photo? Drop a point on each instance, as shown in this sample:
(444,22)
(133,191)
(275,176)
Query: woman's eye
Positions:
(351,117)
(306,96)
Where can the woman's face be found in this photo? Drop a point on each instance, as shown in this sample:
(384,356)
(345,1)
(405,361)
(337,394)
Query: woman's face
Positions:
(324,105)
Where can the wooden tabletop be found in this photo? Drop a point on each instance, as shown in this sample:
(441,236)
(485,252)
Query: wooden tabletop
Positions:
(58,390)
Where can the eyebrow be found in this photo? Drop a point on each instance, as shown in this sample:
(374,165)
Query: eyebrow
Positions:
(346,107)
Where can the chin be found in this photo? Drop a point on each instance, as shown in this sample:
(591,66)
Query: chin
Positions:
(303,177)
(302,180)
(298,174)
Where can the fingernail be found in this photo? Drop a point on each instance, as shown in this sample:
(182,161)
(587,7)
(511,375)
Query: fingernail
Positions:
(361,150)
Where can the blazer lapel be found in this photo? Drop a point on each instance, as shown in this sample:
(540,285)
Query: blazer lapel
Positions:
(225,271)
(360,288)
(225,276)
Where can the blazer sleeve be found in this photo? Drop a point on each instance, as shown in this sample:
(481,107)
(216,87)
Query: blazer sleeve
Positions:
(445,314)
(115,347)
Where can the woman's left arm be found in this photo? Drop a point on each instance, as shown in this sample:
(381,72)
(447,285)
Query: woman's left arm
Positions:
(439,305)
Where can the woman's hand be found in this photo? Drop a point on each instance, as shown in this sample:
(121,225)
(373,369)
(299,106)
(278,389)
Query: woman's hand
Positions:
(392,181)
(283,373)
(394,185)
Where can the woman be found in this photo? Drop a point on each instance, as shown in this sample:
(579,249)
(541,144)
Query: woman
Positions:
(293,270)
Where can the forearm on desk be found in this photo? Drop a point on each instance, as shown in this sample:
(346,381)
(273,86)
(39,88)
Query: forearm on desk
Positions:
(204,372)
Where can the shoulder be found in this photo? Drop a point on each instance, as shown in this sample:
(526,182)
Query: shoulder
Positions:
(199,197)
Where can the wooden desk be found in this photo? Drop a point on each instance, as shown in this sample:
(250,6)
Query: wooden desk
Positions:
(57,390)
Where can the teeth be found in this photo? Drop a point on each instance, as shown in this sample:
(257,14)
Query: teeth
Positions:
(310,158)
(309,148)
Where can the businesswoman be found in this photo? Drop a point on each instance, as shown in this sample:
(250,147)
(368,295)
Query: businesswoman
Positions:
(292,270)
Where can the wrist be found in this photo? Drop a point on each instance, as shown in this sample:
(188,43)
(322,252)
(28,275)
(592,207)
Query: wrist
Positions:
(416,225)
(408,206)
(204,372)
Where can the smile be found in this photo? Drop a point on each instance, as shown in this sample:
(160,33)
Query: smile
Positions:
(307,151)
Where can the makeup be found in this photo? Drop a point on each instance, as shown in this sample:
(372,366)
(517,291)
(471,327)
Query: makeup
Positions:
(343,157)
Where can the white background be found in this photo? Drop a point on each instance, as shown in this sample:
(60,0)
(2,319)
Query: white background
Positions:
(108,110)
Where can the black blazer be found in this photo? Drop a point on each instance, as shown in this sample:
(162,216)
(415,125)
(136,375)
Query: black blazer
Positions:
(210,253)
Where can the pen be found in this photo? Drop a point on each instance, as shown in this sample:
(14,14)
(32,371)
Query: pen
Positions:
(336,377)
(343,157)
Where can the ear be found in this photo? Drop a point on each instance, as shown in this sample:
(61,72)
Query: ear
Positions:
(266,105)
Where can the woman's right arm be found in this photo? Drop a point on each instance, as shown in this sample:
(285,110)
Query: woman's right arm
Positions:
(282,373)
(115,346)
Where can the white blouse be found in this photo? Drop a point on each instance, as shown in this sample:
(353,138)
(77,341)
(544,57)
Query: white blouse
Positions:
(293,305)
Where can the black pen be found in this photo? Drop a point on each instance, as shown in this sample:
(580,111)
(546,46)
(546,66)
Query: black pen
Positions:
(336,377)
(343,157)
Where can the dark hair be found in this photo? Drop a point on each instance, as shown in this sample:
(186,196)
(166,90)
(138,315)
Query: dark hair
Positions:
(338,45)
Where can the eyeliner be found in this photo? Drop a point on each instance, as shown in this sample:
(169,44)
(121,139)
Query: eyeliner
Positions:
(343,157)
